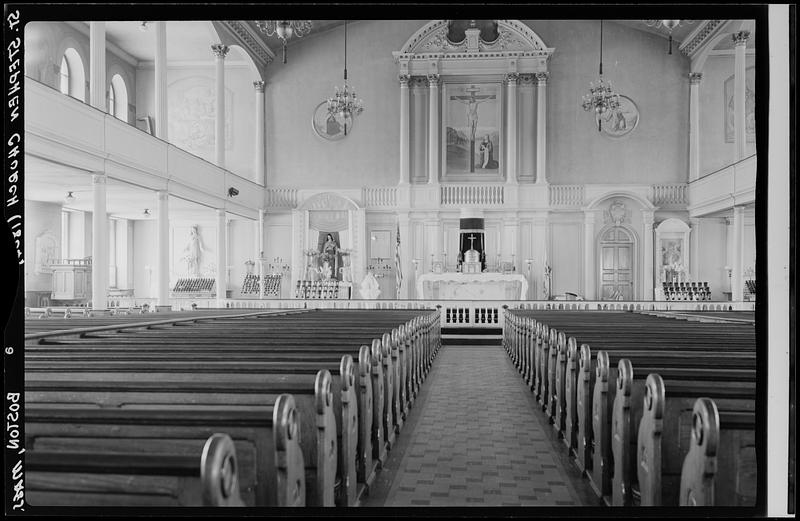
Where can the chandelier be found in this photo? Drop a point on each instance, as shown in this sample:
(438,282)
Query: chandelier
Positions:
(669,24)
(344,105)
(284,29)
(601,97)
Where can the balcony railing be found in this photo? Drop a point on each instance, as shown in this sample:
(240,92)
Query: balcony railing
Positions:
(479,195)
(379,197)
(669,195)
(566,195)
(281,197)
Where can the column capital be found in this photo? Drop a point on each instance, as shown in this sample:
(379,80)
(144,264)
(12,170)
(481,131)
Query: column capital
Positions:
(512,78)
(162,195)
(259,85)
(220,50)
(433,80)
(695,78)
(740,38)
(542,77)
(648,217)
(404,79)
(98,178)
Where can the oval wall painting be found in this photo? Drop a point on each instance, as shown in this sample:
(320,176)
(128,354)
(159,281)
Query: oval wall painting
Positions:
(623,121)
(326,126)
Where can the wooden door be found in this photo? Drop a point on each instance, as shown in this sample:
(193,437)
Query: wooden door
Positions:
(616,265)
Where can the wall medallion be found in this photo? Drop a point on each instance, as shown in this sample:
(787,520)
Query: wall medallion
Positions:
(326,126)
(623,121)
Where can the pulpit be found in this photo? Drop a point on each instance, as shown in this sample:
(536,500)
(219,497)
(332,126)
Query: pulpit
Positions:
(472,286)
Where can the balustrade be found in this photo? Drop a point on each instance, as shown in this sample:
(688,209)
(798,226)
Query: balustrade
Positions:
(566,195)
(480,195)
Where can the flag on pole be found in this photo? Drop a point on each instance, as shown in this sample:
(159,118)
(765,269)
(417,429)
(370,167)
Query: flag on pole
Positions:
(398,268)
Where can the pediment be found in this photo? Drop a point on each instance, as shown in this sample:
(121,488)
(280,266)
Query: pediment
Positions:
(513,36)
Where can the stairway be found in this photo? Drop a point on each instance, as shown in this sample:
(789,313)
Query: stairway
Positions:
(472,336)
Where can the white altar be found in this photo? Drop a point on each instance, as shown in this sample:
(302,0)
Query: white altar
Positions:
(472,286)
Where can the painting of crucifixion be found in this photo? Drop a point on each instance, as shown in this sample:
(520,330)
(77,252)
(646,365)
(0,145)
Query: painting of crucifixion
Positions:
(473,129)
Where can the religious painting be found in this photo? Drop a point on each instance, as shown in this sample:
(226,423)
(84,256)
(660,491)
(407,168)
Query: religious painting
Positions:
(45,252)
(672,253)
(326,125)
(749,106)
(472,129)
(623,121)
(192,115)
(330,255)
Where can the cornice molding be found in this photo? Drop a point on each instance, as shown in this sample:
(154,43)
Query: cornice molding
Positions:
(246,37)
(700,36)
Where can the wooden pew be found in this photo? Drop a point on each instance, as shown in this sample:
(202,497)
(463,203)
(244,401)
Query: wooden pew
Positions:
(555,373)
(92,478)
(203,381)
(679,424)
(139,347)
(270,470)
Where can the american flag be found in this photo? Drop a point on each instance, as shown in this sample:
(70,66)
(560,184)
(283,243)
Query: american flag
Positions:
(399,278)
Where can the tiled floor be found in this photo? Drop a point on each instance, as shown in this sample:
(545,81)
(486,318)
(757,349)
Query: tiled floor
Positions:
(475,437)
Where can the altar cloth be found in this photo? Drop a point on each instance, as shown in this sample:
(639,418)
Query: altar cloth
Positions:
(472,286)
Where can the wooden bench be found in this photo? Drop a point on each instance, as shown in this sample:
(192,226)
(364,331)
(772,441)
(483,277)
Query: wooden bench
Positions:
(56,478)
(101,362)
(270,471)
(547,359)
(673,426)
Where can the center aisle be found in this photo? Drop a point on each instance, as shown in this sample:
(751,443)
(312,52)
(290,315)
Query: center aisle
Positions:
(476,437)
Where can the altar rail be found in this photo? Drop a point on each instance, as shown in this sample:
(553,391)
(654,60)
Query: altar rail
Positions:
(483,195)
(488,313)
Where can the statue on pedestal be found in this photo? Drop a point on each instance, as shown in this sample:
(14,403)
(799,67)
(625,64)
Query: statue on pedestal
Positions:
(370,289)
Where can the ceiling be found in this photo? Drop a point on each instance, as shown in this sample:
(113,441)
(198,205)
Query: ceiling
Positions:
(49,182)
(190,41)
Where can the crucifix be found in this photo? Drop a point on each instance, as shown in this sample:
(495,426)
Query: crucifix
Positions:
(472,101)
(471,239)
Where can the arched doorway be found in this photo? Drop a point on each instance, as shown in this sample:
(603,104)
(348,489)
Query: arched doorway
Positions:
(616,264)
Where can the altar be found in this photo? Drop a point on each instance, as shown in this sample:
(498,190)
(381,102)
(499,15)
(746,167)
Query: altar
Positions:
(472,286)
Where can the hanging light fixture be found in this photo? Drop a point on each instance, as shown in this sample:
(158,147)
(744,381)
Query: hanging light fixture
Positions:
(285,29)
(69,198)
(344,105)
(146,212)
(601,97)
(669,25)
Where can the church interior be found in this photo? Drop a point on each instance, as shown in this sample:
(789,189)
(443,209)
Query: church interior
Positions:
(396,263)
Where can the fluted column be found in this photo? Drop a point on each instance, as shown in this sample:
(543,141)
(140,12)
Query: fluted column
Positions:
(162,248)
(99,242)
(589,268)
(260,241)
(512,79)
(220,51)
(737,280)
(541,127)
(694,125)
(649,255)
(97,65)
(222,257)
(405,136)
(161,122)
(260,145)
(433,129)
(739,86)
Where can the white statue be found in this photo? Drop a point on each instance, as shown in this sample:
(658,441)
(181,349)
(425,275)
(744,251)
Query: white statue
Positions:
(370,289)
(325,270)
(192,252)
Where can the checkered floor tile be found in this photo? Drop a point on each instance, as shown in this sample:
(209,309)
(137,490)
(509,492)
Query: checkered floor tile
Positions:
(475,437)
